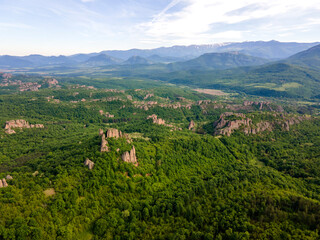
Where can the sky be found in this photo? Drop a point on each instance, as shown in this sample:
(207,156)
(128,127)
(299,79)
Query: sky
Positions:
(54,27)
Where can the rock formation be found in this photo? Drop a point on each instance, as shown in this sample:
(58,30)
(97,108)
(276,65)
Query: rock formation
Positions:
(156,120)
(52,82)
(226,127)
(20,123)
(115,133)
(9,177)
(191,125)
(3,183)
(149,95)
(130,157)
(104,144)
(108,115)
(100,132)
(89,163)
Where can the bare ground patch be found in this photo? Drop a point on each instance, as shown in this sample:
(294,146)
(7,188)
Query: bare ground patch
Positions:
(213,92)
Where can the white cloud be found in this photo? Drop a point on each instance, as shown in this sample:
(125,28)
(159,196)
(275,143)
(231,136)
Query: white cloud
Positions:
(199,17)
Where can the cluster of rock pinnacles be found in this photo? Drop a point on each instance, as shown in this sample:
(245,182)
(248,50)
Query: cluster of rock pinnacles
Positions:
(129,156)
(3,182)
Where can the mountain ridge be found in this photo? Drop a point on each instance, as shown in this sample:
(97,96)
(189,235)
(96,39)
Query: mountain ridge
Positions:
(263,49)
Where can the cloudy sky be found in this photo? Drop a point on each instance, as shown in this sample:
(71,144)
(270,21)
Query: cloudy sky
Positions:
(53,27)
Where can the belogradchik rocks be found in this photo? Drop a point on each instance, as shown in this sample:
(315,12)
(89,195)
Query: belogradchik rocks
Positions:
(130,157)
(226,127)
(104,144)
(114,133)
(20,123)
(161,121)
(107,114)
(89,163)
(111,133)
(3,183)
(9,177)
(156,120)
(191,125)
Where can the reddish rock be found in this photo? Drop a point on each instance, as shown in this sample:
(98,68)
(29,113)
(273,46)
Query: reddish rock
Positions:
(191,125)
(114,133)
(20,123)
(130,157)
(156,120)
(89,163)
(148,96)
(104,144)
(9,177)
(100,132)
(4,182)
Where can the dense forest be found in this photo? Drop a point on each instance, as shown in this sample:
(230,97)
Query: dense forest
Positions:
(189,183)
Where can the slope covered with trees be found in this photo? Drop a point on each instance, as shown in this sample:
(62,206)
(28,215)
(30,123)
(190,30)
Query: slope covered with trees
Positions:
(189,184)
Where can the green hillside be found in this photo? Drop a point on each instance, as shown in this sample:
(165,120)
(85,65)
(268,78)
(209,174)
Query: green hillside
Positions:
(276,80)
(189,184)
(308,58)
(218,61)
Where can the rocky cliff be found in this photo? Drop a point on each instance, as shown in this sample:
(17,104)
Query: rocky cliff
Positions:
(114,133)
(104,144)
(130,157)
(225,126)
(20,123)
(3,183)
(156,120)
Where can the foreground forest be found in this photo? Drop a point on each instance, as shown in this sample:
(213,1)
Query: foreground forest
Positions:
(211,165)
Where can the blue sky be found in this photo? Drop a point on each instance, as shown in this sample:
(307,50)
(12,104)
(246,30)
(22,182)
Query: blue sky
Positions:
(53,27)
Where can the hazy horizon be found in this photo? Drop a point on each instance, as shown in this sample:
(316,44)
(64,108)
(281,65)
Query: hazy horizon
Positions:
(102,50)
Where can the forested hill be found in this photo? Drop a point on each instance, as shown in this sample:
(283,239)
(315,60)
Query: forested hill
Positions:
(187,164)
(309,58)
(218,61)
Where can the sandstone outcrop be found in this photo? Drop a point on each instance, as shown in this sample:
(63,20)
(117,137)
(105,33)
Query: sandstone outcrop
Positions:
(191,125)
(130,157)
(100,132)
(104,144)
(226,126)
(156,120)
(52,82)
(111,133)
(114,133)
(261,127)
(3,183)
(149,95)
(89,163)
(9,177)
(20,123)
(107,114)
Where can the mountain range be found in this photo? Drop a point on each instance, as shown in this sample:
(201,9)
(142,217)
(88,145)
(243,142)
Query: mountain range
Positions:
(223,60)
(271,50)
